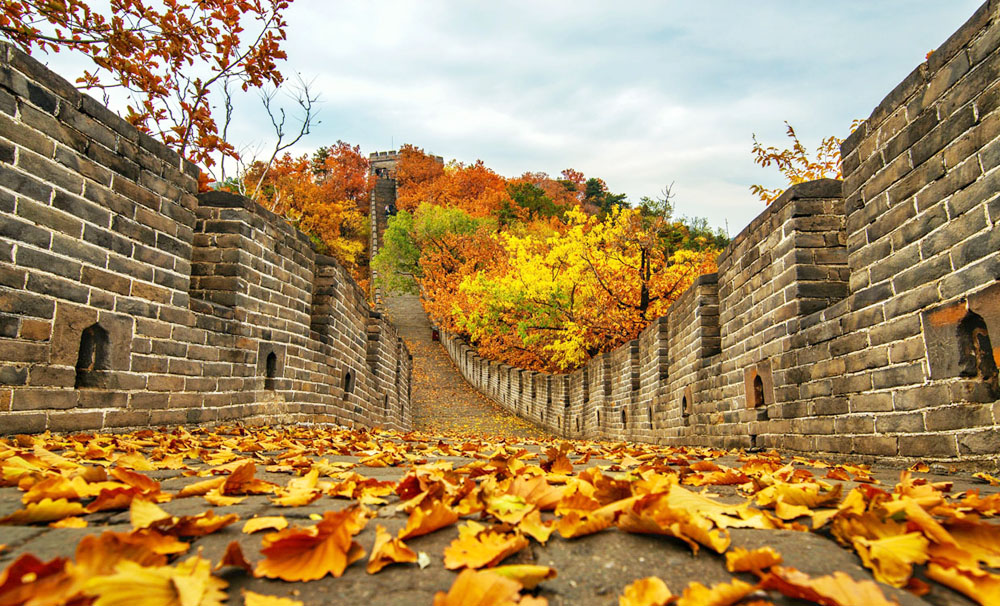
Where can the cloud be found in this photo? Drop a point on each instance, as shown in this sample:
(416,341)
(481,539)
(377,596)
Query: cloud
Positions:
(639,92)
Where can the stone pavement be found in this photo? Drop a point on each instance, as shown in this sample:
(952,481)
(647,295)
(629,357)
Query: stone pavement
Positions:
(591,569)
(442,400)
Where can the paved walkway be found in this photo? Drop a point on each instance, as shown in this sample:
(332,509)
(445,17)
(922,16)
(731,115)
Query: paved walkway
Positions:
(443,401)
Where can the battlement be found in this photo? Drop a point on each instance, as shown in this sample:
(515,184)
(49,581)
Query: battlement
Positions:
(129,300)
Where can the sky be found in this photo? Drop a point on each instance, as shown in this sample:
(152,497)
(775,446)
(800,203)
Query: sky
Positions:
(640,93)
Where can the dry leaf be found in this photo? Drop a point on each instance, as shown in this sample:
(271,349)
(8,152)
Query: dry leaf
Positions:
(756,560)
(307,554)
(388,550)
(423,521)
(483,549)
(837,589)
(190,583)
(257,599)
(479,588)
(650,591)
(265,523)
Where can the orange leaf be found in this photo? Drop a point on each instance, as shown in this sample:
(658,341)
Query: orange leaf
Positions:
(388,550)
(423,521)
(741,560)
(234,557)
(720,594)
(837,589)
(479,588)
(483,549)
(307,554)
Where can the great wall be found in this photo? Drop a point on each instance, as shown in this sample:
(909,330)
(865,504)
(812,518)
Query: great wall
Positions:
(859,317)
(127,300)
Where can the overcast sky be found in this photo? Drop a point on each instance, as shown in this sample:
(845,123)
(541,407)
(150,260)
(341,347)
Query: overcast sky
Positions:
(639,93)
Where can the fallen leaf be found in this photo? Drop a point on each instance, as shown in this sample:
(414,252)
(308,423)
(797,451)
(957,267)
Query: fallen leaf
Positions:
(837,589)
(479,588)
(423,521)
(46,510)
(257,599)
(483,549)
(307,554)
(756,560)
(190,583)
(388,550)
(650,591)
(720,594)
(528,575)
(265,523)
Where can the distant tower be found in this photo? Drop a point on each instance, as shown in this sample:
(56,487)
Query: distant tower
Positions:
(383,203)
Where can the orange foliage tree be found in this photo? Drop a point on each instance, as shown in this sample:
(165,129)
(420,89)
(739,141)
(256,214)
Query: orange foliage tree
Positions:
(795,163)
(167,57)
(326,196)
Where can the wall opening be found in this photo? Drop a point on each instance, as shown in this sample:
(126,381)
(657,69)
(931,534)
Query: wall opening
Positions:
(624,418)
(348,382)
(94,360)
(270,371)
(758,392)
(598,418)
(687,405)
(578,423)
(649,415)
(975,351)
(385,403)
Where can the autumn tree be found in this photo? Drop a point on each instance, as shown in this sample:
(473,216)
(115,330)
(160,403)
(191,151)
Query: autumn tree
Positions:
(326,196)
(556,301)
(796,164)
(167,58)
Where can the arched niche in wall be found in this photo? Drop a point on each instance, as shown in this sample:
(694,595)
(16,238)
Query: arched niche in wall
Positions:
(270,365)
(962,339)
(97,344)
(93,361)
(687,405)
(758,387)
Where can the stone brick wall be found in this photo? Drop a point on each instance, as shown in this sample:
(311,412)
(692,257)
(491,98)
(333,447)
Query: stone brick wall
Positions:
(127,300)
(858,318)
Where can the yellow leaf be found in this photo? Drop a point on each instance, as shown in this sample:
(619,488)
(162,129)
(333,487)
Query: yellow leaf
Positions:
(529,576)
(650,591)
(720,594)
(265,523)
(257,599)
(69,523)
(145,514)
(483,549)
(46,510)
(533,526)
(981,586)
(479,588)
(892,558)
(190,583)
(756,560)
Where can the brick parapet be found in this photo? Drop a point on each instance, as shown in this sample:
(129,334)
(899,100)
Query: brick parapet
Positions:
(188,309)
